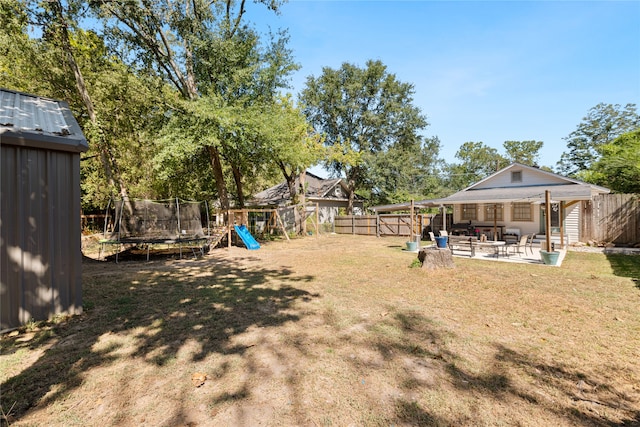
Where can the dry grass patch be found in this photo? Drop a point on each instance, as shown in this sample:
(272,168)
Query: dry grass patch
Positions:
(337,330)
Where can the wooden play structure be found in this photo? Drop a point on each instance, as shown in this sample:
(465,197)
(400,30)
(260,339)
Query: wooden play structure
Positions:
(271,221)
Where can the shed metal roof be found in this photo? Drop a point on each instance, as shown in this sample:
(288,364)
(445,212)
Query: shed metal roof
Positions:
(35,121)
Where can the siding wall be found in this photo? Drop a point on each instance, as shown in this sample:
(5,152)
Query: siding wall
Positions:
(572,223)
(40,274)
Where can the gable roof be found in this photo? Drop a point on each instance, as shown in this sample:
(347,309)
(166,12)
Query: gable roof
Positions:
(38,122)
(316,188)
(496,188)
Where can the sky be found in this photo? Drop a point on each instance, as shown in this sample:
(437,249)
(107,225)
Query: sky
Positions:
(482,71)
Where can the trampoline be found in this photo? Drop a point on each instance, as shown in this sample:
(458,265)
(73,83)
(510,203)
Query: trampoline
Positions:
(144,223)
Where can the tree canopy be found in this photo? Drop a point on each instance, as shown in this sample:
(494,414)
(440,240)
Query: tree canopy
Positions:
(188,99)
(602,124)
(618,167)
(524,152)
(363,113)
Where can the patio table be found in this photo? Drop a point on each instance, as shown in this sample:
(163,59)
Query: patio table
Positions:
(497,245)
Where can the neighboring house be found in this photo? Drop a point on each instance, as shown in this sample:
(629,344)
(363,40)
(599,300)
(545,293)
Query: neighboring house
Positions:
(40,258)
(513,199)
(330,195)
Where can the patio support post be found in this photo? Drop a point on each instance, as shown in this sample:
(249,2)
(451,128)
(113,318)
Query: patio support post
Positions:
(495,222)
(230,220)
(561,223)
(411,223)
(547,208)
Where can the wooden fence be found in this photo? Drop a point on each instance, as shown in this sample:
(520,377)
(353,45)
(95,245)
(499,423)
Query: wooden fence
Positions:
(612,218)
(381,225)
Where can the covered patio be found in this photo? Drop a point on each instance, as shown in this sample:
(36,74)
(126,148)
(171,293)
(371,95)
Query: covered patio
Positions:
(516,201)
(511,253)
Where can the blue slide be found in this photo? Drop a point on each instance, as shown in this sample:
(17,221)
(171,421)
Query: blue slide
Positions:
(247,238)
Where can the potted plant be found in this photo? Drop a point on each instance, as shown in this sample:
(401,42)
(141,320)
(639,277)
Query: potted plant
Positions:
(550,257)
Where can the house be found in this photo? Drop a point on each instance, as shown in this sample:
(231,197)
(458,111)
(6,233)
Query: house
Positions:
(40,256)
(511,201)
(329,195)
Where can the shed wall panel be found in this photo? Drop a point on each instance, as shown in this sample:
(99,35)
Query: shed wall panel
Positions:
(42,261)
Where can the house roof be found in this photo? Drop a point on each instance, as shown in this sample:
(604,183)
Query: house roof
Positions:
(548,176)
(567,192)
(38,122)
(316,188)
(493,189)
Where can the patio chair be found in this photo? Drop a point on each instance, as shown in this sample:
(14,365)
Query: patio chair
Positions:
(519,245)
(530,243)
(433,239)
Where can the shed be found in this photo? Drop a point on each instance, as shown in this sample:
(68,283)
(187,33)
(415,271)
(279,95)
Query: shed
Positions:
(40,250)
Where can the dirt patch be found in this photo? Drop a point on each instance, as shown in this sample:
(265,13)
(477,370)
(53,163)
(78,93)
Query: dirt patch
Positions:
(336,330)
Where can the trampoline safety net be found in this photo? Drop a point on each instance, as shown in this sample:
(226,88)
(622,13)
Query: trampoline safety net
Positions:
(156,221)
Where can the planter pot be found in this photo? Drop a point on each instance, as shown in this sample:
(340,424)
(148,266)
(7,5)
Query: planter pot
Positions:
(412,246)
(550,258)
(441,242)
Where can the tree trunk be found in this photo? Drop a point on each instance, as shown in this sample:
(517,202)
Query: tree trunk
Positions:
(434,258)
(351,187)
(109,163)
(290,179)
(237,177)
(216,164)
(303,216)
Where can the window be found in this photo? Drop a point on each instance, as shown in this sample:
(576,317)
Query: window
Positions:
(469,212)
(516,176)
(521,212)
(490,209)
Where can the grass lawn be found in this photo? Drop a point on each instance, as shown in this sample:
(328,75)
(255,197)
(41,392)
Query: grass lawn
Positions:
(335,331)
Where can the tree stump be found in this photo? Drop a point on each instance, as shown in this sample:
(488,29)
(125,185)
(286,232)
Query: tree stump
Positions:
(435,258)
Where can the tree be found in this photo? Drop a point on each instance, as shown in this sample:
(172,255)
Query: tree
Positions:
(404,173)
(290,143)
(204,50)
(619,165)
(361,113)
(478,162)
(61,60)
(603,124)
(524,152)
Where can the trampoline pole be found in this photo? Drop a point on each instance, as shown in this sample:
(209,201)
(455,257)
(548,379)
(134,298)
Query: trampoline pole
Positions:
(179,228)
(206,208)
(119,228)
(178,215)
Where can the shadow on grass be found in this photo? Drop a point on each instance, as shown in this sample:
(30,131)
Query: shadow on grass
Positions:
(626,266)
(516,379)
(163,305)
